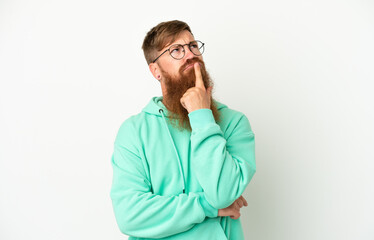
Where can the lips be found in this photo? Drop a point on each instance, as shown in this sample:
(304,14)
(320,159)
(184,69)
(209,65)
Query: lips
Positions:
(189,66)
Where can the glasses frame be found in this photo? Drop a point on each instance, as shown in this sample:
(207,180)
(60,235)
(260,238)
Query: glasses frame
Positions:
(184,50)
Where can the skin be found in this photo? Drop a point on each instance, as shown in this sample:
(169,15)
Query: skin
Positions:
(197,97)
(233,210)
(172,66)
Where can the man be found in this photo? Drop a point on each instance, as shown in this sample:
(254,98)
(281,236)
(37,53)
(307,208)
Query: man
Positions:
(181,165)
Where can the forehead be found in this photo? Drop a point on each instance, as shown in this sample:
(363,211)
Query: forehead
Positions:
(183,38)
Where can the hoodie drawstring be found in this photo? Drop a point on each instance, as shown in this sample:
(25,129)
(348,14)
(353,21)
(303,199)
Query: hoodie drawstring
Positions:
(175,149)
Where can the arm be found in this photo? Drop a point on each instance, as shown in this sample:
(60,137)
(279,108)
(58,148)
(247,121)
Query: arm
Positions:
(223,167)
(138,211)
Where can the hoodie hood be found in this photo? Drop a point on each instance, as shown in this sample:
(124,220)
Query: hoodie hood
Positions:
(155,104)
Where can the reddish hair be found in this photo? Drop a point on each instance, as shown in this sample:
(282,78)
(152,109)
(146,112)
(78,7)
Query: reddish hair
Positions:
(160,36)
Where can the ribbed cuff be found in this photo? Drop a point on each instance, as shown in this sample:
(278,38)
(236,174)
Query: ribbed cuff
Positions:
(201,117)
(208,209)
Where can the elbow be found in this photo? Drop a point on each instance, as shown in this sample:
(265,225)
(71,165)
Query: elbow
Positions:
(124,229)
(124,216)
(127,229)
(252,171)
(132,227)
(125,225)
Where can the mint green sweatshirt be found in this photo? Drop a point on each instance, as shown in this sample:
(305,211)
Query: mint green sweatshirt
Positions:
(169,184)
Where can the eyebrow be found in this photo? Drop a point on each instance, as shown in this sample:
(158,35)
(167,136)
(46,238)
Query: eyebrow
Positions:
(180,44)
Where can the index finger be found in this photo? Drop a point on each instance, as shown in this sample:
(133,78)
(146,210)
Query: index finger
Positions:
(244,201)
(199,79)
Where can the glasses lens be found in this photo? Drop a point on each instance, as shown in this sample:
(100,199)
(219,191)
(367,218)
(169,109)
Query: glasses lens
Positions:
(177,51)
(197,48)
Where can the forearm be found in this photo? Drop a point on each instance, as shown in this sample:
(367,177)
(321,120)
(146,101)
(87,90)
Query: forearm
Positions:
(223,168)
(140,213)
(148,215)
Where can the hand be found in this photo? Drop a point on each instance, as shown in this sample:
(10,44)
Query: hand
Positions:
(197,97)
(234,209)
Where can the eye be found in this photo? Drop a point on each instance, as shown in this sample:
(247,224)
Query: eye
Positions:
(177,51)
(194,45)
(174,50)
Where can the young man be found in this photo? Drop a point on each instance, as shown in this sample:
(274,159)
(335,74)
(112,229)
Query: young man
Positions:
(181,165)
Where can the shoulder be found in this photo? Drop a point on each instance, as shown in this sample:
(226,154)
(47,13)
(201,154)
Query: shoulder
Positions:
(130,127)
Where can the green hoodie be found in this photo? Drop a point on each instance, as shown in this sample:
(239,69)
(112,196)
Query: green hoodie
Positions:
(169,184)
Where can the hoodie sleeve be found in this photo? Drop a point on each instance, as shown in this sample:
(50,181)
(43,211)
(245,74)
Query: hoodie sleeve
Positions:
(141,213)
(224,167)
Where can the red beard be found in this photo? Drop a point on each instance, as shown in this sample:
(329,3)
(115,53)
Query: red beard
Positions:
(177,86)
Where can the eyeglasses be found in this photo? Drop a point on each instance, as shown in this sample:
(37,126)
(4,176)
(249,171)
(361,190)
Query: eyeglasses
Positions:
(177,51)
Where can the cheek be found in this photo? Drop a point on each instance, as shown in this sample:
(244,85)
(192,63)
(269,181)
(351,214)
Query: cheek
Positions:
(172,68)
(175,70)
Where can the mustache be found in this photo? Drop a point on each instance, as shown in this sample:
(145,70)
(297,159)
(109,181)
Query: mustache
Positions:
(191,61)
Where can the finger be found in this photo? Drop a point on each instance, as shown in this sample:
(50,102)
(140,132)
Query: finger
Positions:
(240,202)
(236,215)
(244,201)
(182,102)
(199,79)
(209,91)
(237,206)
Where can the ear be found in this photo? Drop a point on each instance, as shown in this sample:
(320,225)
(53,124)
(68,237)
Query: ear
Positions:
(155,70)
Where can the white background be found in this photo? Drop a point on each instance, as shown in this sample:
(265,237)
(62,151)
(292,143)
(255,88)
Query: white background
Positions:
(302,71)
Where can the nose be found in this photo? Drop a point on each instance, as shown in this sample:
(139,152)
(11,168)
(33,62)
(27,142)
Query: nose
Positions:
(188,54)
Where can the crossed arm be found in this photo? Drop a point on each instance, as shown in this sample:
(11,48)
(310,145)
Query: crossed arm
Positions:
(140,213)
